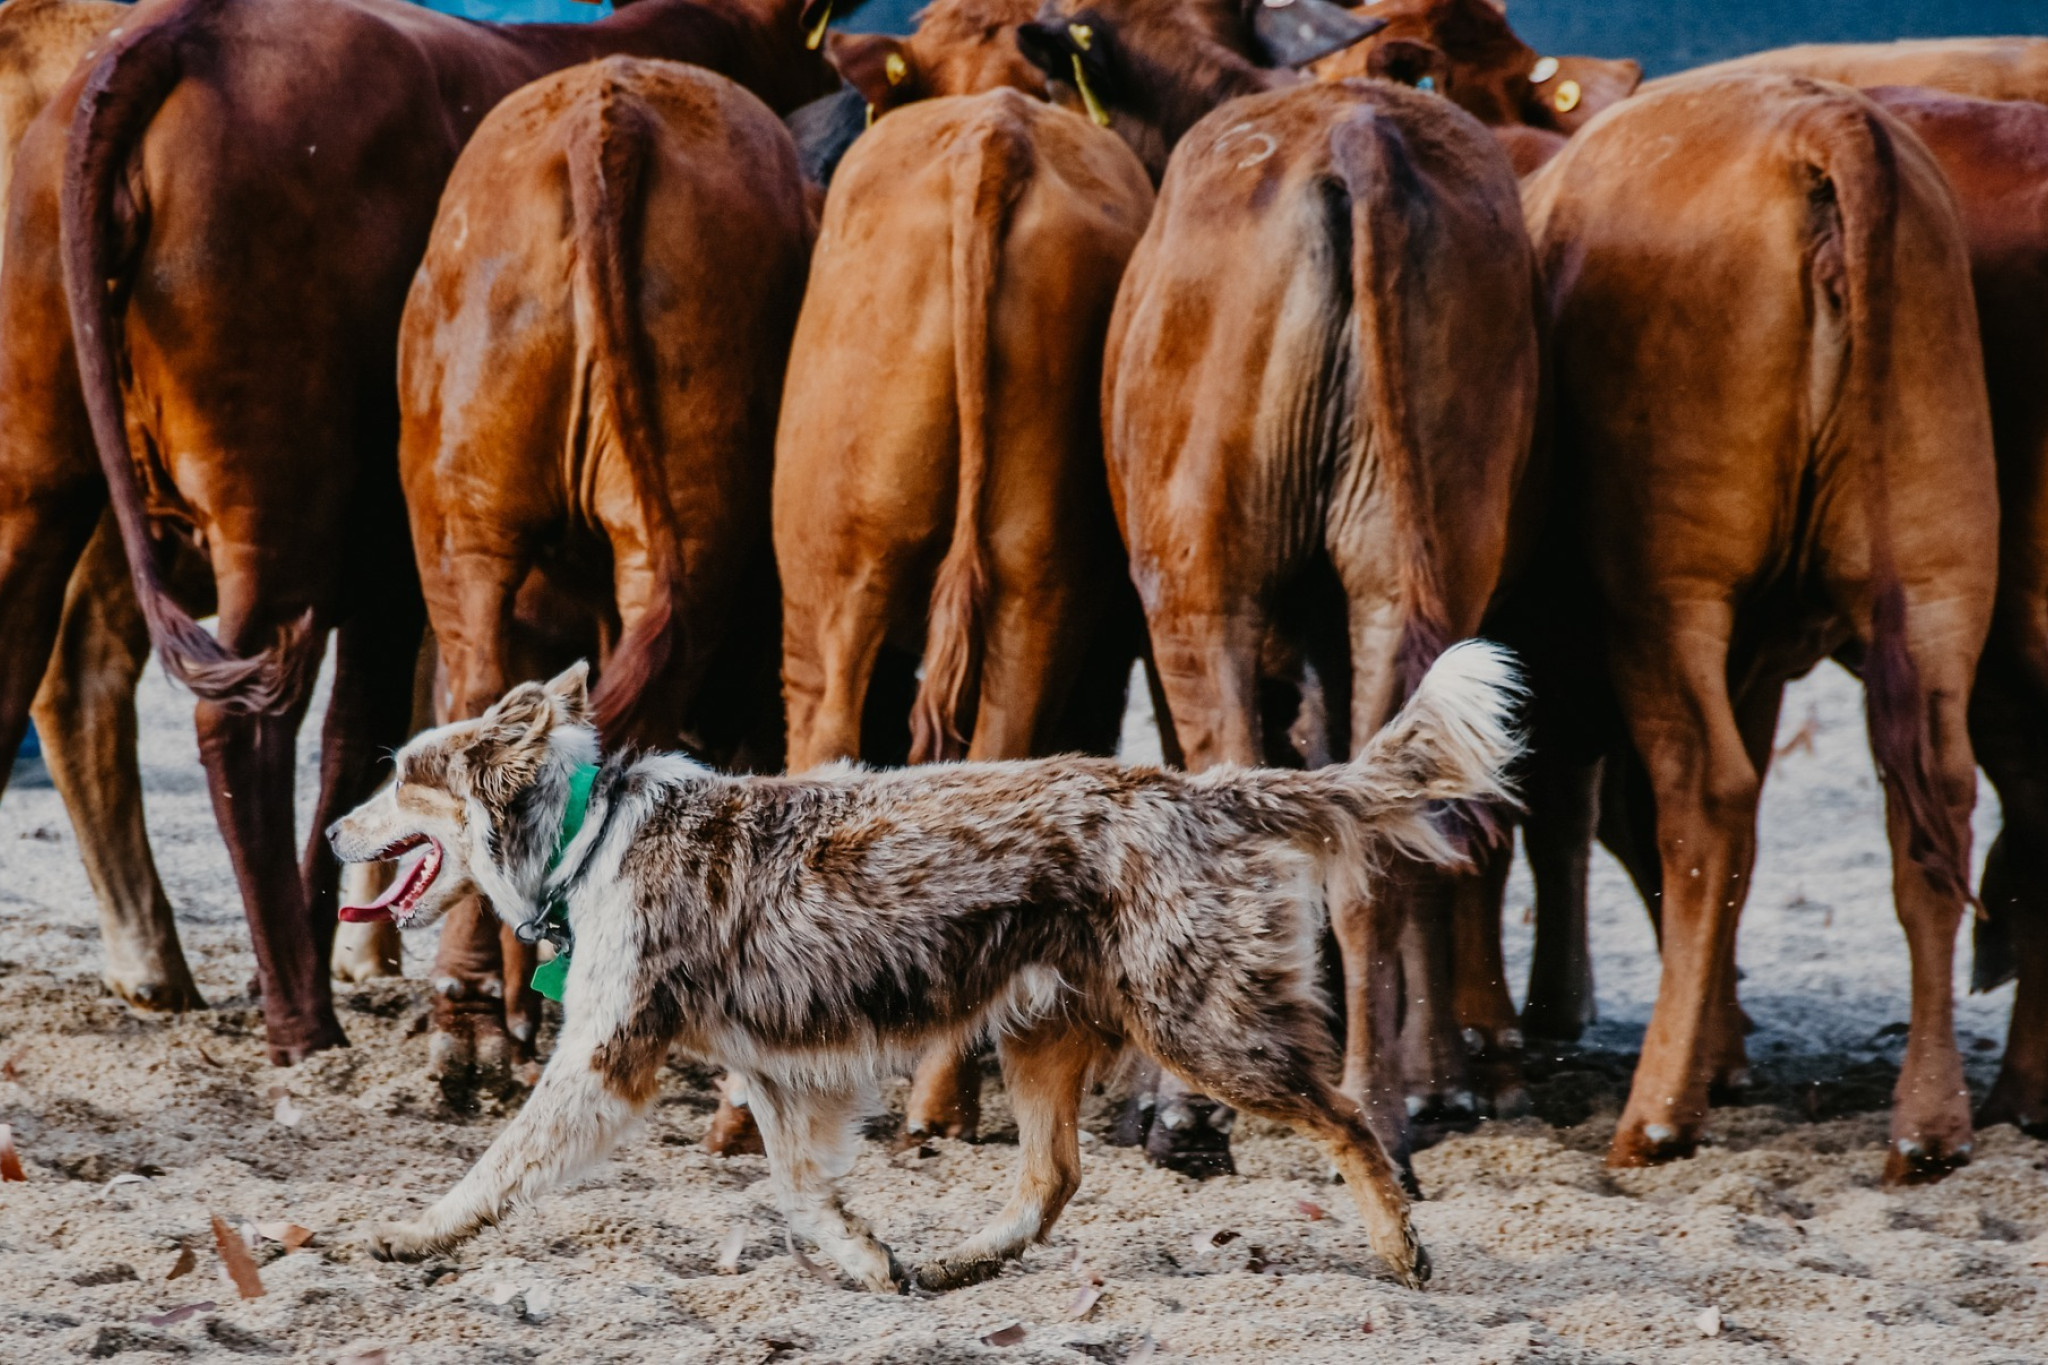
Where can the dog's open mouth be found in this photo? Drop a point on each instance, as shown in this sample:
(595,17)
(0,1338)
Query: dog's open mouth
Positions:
(414,878)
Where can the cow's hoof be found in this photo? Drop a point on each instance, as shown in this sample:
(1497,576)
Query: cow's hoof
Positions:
(471,1052)
(2011,1102)
(939,1277)
(1922,1161)
(1191,1134)
(1650,1144)
(1133,1122)
(733,1132)
(1556,1019)
(1417,1271)
(168,993)
(290,1046)
(1730,1087)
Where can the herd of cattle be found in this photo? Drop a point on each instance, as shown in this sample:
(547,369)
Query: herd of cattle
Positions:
(1214,333)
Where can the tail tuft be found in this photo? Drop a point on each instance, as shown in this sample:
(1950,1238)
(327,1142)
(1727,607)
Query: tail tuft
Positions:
(1450,750)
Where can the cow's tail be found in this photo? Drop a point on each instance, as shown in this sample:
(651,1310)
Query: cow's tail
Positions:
(1854,198)
(122,93)
(607,155)
(1452,744)
(991,162)
(1386,196)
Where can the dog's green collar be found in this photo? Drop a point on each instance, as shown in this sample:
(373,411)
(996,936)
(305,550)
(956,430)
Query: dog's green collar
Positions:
(553,922)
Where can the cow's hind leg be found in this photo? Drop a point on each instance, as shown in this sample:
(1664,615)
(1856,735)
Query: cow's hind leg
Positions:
(809,1135)
(1930,1132)
(1045,1070)
(85,712)
(1672,680)
(2010,731)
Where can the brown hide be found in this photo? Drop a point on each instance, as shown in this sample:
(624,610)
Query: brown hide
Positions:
(1478,61)
(939,433)
(256,180)
(589,367)
(1995,155)
(1987,68)
(1746,276)
(1324,439)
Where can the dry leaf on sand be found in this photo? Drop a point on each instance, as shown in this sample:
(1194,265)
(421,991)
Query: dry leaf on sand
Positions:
(1005,1336)
(234,1254)
(10,1160)
(1083,1301)
(184,1265)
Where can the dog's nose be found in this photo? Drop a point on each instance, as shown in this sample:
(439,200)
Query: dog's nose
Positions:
(334,837)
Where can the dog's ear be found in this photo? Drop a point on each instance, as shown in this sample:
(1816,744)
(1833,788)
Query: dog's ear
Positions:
(569,691)
(521,717)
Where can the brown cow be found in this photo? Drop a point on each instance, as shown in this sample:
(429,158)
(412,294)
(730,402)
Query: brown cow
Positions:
(286,163)
(1262,495)
(939,485)
(1468,53)
(1812,491)
(84,707)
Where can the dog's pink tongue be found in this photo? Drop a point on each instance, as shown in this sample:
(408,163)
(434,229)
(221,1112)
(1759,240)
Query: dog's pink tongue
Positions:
(380,908)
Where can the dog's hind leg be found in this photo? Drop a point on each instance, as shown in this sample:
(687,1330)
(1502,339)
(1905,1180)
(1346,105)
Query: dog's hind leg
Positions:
(1274,1065)
(595,1085)
(809,1135)
(1045,1069)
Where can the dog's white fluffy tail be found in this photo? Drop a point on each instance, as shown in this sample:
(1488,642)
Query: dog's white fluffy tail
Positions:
(1449,748)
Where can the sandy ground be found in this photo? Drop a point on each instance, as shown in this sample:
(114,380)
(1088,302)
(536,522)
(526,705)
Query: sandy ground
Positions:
(1778,1235)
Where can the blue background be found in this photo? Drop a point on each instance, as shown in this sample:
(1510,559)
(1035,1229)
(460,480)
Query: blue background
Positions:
(1664,37)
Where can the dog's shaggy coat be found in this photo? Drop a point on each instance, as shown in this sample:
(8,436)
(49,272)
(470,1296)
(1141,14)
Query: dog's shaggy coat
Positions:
(809,933)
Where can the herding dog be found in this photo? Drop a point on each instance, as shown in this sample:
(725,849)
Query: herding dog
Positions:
(810,932)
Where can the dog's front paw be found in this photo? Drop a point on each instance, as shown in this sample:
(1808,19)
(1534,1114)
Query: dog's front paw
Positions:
(402,1242)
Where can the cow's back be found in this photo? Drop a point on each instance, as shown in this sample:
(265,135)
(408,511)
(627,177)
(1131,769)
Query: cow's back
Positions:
(2014,68)
(869,421)
(1242,410)
(1746,274)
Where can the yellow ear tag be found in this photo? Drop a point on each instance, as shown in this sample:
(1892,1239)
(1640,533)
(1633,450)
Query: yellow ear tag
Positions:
(817,33)
(1095,110)
(895,68)
(1545,68)
(1567,97)
(871,116)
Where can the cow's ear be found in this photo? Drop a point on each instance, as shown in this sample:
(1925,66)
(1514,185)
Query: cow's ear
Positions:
(1410,61)
(1074,52)
(1573,89)
(879,66)
(1296,32)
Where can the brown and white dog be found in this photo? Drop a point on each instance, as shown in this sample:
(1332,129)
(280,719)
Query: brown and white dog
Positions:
(809,933)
